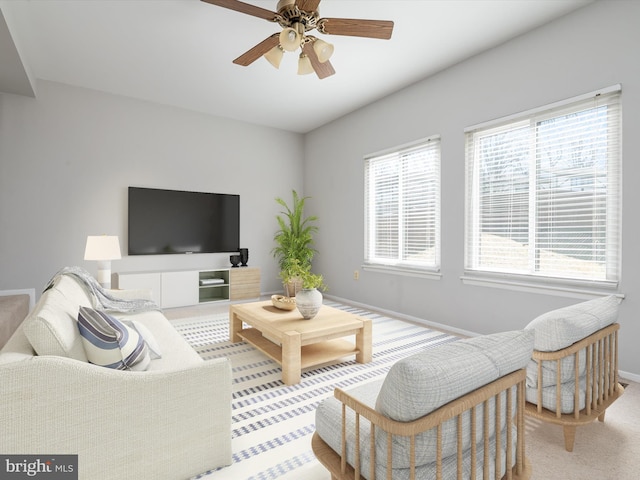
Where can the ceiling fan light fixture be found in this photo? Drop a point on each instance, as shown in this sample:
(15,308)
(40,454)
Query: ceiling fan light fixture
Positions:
(304,65)
(274,56)
(290,39)
(323,50)
(297,18)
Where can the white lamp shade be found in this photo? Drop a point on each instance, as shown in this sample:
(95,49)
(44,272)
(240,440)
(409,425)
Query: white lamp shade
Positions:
(304,65)
(323,49)
(102,247)
(274,56)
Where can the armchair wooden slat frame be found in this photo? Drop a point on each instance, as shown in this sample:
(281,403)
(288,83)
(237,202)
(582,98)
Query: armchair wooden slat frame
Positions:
(480,398)
(602,387)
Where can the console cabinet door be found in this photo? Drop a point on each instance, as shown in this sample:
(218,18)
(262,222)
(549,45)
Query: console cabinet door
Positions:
(245,283)
(179,289)
(142,280)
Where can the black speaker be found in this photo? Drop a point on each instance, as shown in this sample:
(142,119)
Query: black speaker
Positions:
(244,256)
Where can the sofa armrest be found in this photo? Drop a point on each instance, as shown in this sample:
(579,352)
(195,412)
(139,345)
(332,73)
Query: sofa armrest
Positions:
(161,425)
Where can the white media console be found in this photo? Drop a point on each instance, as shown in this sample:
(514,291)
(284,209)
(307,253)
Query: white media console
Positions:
(181,288)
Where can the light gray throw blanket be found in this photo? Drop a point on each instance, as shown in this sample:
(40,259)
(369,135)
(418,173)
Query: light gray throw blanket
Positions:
(102,299)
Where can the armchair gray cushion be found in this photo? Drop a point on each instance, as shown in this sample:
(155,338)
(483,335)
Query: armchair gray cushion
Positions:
(421,383)
(417,385)
(562,328)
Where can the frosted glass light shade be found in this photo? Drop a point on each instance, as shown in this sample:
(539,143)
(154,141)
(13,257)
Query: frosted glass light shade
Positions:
(323,49)
(274,56)
(304,65)
(290,39)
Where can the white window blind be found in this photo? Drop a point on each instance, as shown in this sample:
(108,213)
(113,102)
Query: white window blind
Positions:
(543,192)
(402,207)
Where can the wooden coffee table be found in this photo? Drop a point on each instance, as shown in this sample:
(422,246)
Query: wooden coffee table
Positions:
(296,343)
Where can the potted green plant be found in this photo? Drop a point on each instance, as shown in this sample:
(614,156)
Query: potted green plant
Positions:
(294,240)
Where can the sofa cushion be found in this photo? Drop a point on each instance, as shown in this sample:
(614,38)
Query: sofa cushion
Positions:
(109,343)
(567,396)
(560,328)
(550,370)
(419,384)
(177,354)
(155,351)
(51,328)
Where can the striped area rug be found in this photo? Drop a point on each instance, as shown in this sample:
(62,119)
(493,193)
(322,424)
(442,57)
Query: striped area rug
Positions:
(273,423)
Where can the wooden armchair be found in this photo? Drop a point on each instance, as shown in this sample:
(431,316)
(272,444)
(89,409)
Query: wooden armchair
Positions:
(492,459)
(473,393)
(592,389)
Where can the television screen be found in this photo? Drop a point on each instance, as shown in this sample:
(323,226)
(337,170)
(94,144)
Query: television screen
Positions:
(174,222)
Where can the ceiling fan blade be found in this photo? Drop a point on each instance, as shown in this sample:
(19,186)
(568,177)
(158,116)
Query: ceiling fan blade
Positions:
(323,70)
(356,28)
(244,8)
(256,52)
(308,5)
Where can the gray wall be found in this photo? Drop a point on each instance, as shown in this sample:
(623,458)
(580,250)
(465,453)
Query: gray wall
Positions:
(68,156)
(592,48)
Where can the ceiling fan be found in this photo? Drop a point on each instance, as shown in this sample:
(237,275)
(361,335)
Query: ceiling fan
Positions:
(297,17)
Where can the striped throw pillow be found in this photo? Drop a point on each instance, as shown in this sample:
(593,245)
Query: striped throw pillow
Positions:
(109,343)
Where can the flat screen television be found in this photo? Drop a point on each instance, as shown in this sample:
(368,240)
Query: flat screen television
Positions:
(177,222)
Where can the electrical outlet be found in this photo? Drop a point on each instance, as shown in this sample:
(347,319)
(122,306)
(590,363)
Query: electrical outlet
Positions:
(356,274)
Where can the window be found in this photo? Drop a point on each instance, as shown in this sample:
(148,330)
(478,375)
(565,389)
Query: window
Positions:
(543,192)
(402,207)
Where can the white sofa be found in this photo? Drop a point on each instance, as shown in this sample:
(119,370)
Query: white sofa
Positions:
(171,421)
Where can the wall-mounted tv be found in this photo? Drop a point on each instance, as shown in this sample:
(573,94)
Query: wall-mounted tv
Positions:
(176,222)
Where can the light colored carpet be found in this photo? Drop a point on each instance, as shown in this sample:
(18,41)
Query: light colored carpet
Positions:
(273,423)
(603,450)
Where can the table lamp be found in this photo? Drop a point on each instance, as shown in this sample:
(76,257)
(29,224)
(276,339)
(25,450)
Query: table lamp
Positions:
(103,248)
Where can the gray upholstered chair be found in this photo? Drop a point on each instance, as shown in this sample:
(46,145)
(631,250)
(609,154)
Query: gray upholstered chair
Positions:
(453,411)
(572,377)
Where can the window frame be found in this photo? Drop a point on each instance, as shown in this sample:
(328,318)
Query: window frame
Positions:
(473,274)
(399,265)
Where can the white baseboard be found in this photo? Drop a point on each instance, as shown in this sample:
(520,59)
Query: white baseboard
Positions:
(409,318)
(629,376)
(440,326)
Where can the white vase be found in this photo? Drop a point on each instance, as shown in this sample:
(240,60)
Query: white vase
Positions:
(308,301)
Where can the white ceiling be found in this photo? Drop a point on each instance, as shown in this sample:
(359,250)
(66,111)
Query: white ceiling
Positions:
(180,52)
